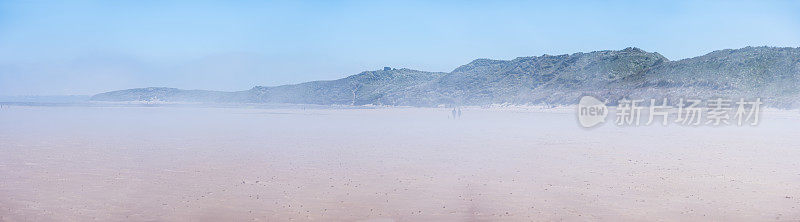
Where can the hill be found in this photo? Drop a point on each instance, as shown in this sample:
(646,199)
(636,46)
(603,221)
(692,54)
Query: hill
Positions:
(769,73)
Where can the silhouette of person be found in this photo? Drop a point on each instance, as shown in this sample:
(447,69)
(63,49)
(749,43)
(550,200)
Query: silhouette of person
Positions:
(454,113)
(459,112)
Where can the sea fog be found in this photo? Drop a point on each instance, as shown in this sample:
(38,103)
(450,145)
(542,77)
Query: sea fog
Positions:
(168,163)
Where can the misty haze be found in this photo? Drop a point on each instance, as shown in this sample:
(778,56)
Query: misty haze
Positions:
(399,111)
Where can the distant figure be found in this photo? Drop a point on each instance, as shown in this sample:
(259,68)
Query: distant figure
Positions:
(459,112)
(454,112)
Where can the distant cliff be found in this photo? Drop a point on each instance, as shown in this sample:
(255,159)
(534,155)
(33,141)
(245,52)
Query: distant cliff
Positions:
(769,73)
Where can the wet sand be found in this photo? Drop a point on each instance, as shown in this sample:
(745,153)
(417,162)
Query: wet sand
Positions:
(400,164)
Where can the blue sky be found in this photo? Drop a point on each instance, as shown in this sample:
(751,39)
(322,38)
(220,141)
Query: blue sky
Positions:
(87,47)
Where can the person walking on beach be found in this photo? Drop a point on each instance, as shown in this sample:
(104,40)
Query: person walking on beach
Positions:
(454,113)
(459,112)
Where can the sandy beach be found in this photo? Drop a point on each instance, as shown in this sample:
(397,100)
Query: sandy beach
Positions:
(387,164)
